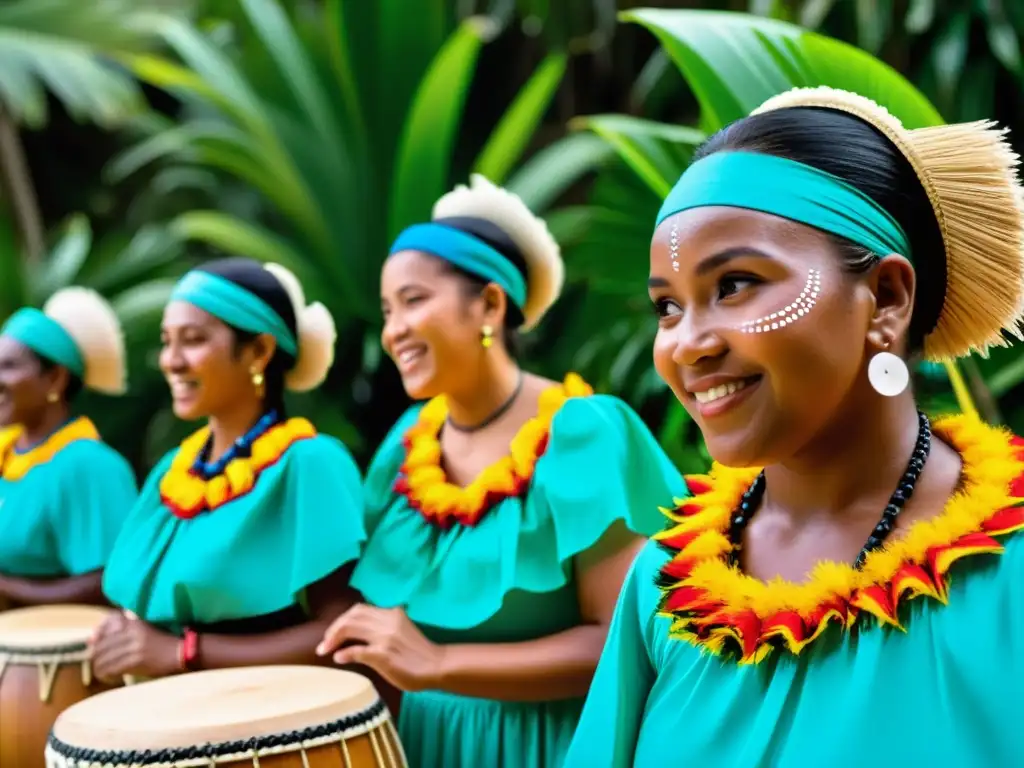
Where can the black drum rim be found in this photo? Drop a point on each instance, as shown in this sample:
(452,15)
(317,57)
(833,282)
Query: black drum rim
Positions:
(213,751)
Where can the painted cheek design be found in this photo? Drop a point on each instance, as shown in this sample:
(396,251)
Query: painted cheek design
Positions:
(790,313)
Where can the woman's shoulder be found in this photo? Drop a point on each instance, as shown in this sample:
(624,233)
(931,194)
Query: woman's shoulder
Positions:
(93,456)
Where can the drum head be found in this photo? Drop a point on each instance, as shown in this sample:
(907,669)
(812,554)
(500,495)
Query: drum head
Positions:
(49,626)
(214,706)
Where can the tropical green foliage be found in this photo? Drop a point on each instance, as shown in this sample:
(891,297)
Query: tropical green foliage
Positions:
(348,137)
(309,132)
(54,47)
(732,63)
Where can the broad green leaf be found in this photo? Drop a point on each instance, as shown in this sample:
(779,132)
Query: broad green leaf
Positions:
(340,53)
(425,151)
(657,152)
(65,48)
(548,174)
(516,129)
(65,260)
(142,303)
(734,62)
(949,53)
(237,237)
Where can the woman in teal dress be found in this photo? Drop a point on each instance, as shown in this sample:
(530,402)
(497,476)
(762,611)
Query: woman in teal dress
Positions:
(843,587)
(503,513)
(239,549)
(64,493)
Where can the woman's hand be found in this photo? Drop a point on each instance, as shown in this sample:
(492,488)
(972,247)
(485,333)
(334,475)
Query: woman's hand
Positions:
(386,641)
(125,645)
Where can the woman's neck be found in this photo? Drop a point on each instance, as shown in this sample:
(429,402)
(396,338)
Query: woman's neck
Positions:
(227,427)
(49,421)
(490,389)
(856,461)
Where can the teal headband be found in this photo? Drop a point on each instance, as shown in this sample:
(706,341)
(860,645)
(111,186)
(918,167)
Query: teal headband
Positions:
(466,252)
(789,189)
(46,338)
(233,305)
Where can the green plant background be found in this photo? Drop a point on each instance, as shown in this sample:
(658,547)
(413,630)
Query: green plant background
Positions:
(138,137)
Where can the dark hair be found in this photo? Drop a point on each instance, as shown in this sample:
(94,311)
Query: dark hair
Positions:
(846,146)
(250,275)
(74,382)
(494,236)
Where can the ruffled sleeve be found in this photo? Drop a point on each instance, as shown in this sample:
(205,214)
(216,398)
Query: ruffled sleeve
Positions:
(610,724)
(324,494)
(378,489)
(601,467)
(254,555)
(96,494)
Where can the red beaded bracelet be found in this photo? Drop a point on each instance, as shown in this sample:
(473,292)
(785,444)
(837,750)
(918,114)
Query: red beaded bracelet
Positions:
(188,650)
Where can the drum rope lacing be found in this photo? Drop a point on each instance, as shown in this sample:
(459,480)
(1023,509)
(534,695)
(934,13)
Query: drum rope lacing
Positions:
(62,755)
(49,661)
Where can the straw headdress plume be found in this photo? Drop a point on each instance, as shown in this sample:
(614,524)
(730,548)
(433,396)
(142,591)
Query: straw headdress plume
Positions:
(545,271)
(968,171)
(92,324)
(316,335)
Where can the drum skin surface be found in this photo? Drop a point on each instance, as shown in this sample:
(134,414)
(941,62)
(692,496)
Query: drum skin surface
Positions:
(43,671)
(271,717)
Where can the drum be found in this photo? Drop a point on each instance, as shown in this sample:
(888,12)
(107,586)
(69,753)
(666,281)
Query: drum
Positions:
(258,717)
(44,668)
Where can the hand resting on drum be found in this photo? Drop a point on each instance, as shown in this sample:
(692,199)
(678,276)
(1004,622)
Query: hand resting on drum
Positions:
(385,640)
(123,645)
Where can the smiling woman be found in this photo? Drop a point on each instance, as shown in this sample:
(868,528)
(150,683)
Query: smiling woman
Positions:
(843,551)
(239,549)
(502,513)
(63,493)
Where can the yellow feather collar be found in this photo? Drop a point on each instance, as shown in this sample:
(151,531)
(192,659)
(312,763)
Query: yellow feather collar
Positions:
(726,611)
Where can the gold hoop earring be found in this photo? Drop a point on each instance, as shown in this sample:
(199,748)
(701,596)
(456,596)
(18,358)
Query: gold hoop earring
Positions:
(257,381)
(486,336)
(52,397)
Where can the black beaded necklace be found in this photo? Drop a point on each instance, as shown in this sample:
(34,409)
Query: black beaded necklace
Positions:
(751,499)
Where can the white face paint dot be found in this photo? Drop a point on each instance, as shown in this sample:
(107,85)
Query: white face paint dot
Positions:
(788,314)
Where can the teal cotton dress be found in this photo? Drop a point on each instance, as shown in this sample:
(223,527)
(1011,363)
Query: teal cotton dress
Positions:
(243,559)
(62,502)
(917,660)
(508,577)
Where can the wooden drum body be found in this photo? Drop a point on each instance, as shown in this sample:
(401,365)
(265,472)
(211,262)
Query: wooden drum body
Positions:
(254,717)
(44,669)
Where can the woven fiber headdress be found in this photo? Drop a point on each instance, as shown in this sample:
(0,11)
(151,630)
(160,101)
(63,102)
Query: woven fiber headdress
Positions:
(968,171)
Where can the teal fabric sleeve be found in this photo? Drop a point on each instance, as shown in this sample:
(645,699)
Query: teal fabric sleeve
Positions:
(250,557)
(95,501)
(602,468)
(609,727)
(789,189)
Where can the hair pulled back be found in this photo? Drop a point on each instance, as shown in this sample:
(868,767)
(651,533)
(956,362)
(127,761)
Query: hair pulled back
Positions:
(250,275)
(494,236)
(847,147)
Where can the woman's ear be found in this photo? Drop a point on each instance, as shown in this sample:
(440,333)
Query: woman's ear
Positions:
(263,348)
(495,305)
(58,379)
(893,283)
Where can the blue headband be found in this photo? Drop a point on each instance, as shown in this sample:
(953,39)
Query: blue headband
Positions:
(233,305)
(789,189)
(466,252)
(45,337)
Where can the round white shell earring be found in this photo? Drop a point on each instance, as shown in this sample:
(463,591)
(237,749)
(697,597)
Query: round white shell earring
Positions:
(888,374)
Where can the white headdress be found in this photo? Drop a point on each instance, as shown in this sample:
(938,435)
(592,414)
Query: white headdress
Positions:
(545,271)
